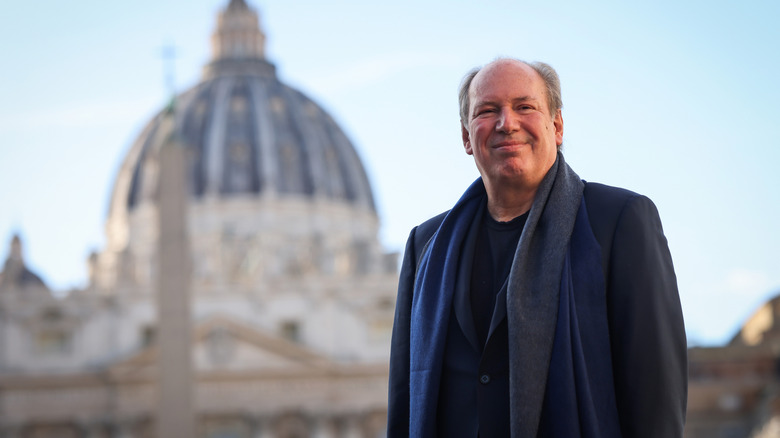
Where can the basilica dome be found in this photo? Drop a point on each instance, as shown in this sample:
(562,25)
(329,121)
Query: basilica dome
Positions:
(247,133)
(267,171)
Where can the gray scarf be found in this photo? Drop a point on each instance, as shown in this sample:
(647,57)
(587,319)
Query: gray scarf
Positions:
(533,292)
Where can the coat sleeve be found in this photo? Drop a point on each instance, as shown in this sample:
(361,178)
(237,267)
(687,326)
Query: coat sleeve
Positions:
(398,391)
(646,326)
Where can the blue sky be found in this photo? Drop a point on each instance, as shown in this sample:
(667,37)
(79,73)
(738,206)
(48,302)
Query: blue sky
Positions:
(675,101)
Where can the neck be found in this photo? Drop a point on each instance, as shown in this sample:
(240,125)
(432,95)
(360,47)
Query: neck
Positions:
(509,197)
(505,203)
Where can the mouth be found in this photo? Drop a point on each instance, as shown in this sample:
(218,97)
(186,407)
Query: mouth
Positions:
(508,145)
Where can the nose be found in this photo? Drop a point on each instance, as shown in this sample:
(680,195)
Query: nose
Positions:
(507,122)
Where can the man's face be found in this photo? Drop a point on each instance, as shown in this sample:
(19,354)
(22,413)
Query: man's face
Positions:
(510,132)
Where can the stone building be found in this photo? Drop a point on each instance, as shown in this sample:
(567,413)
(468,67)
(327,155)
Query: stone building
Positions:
(291,294)
(734,390)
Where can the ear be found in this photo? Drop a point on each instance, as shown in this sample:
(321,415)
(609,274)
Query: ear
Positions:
(558,124)
(464,133)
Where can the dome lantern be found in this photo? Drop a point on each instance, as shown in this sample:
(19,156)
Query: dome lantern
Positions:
(238,34)
(238,43)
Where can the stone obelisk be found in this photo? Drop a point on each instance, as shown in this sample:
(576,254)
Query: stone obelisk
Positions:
(175,417)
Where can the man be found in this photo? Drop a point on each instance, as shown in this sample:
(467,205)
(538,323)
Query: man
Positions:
(540,305)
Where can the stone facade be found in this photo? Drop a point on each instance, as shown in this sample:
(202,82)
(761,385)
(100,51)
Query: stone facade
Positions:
(291,294)
(734,390)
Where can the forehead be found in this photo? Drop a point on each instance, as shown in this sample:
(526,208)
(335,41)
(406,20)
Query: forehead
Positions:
(506,80)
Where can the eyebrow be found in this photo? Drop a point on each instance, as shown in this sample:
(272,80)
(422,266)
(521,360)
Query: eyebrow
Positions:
(516,99)
(523,99)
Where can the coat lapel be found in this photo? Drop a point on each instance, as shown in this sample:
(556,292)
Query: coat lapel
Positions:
(499,311)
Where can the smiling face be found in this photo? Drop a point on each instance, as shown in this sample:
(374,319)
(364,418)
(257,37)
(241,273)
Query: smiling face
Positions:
(510,132)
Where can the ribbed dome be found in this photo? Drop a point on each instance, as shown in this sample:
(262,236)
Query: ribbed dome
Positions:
(15,273)
(247,133)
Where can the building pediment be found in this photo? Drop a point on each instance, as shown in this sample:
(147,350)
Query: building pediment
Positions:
(221,344)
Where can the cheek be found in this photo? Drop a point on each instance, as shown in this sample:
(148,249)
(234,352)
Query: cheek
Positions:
(535,126)
(480,133)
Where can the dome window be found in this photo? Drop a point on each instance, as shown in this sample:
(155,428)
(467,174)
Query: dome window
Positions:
(291,330)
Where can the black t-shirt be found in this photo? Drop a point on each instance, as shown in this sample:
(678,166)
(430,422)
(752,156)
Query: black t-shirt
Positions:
(493,253)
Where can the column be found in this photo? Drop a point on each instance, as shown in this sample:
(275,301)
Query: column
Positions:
(323,427)
(352,427)
(260,427)
(175,416)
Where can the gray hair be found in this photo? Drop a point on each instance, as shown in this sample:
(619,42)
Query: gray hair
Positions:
(548,74)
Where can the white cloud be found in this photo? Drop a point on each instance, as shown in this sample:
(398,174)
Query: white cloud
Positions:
(747,282)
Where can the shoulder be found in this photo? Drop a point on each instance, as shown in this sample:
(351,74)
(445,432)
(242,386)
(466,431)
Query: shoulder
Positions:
(603,196)
(611,202)
(419,237)
(606,201)
(425,230)
(610,207)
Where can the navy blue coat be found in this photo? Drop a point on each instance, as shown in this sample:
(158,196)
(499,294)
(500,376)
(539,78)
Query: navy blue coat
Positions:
(647,336)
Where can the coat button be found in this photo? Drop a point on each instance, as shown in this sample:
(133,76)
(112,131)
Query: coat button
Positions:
(484,379)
